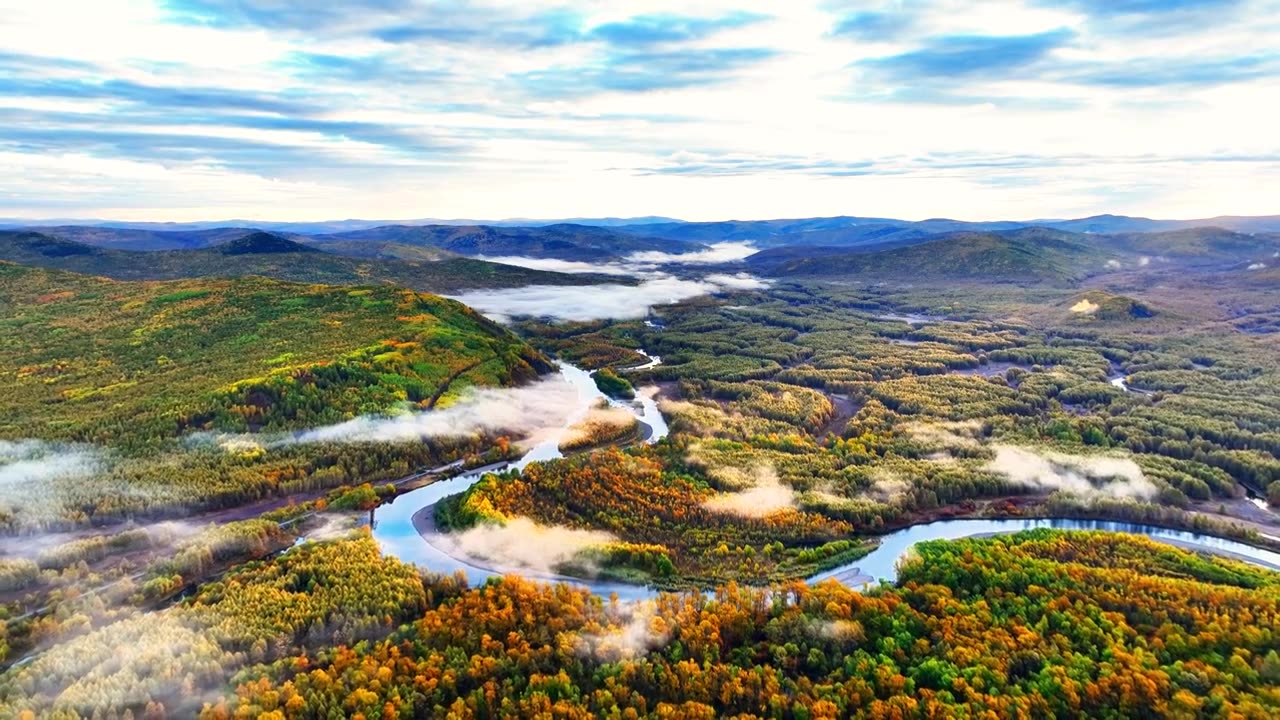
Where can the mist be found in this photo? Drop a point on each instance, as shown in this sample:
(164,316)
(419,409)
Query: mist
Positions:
(947,435)
(568,266)
(765,496)
(1077,474)
(643,264)
(596,302)
(739,281)
(718,253)
(37,478)
(521,544)
(639,630)
(524,410)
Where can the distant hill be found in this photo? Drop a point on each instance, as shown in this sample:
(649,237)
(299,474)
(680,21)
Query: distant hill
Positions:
(142,239)
(383,250)
(317,227)
(859,231)
(565,242)
(261,243)
(1032,254)
(1197,246)
(215,348)
(269,255)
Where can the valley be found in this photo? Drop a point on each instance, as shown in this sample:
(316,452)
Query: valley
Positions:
(292,482)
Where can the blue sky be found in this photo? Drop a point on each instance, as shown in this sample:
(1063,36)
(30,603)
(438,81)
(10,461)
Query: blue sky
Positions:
(700,109)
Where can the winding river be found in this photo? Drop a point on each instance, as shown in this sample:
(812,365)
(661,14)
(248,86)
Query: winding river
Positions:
(404,527)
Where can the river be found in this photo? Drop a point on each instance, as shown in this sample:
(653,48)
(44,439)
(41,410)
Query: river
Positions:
(404,527)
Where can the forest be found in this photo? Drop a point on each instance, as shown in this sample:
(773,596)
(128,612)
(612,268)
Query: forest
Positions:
(1042,623)
(808,416)
(152,400)
(806,420)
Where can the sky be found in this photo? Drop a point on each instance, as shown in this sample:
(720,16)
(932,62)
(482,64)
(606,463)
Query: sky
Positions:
(697,109)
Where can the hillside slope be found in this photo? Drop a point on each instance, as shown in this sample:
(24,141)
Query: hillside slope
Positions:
(83,356)
(1034,254)
(564,241)
(147,399)
(270,255)
(1196,246)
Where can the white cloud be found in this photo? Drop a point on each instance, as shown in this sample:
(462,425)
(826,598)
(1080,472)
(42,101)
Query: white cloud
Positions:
(528,410)
(767,495)
(1082,475)
(718,253)
(564,266)
(739,281)
(521,544)
(598,302)
(1034,145)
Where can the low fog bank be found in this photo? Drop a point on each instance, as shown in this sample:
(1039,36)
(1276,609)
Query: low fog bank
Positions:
(642,264)
(524,410)
(521,544)
(1086,476)
(762,494)
(638,629)
(599,302)
(724,252)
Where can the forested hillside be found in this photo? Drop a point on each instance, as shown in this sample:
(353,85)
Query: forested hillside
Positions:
(121,375)
(278,257)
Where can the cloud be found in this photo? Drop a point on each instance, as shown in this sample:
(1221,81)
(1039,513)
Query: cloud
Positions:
(967,56)
(739,281)
(888,487)
(593,302)
(764,497)
(529,409)
(1142,7)
(37,479)
(667,28)
(646,264)
(640,72)
(399,108)
(1150,72)
(636,629)
(1257,266)
(719,253)
(947,435)
(1085,306)
(600,422)
(566,266)
(1077,474)
(872,25)
(521,544)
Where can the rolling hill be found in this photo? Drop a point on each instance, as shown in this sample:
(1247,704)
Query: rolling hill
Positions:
(269,255)
(145,355)
(1031,254)
(852,231)
(144,239)
(564,242)
(1196,246)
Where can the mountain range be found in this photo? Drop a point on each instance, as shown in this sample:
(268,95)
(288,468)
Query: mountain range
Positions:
(270,255)
(846,228)
(447,258)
